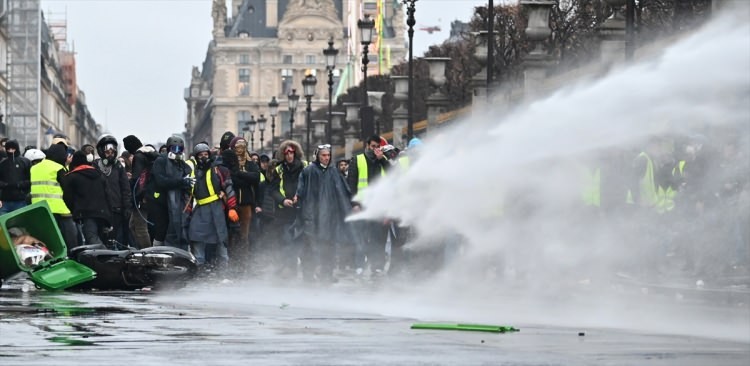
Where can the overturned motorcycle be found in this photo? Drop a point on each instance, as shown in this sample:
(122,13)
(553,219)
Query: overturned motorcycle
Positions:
(31,243)
(130,269)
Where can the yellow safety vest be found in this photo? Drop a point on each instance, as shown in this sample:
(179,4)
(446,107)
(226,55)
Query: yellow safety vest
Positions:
(280,172)
(591,193)
(362,175)
(404,163)
(44,186)
(648,191)
(191,163)
(212,196)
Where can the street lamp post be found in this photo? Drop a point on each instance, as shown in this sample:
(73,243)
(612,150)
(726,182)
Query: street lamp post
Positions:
(490,47)
(366,27)
(308,87)
(251,127)
(410,21)
(330,54)
(293,100)
(273,106)
(262,128)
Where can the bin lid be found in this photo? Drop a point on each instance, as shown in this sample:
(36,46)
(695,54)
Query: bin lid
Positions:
(61,275)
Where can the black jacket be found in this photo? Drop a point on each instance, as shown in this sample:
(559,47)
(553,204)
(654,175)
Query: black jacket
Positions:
(84,193)
(168,175)
(290,173)
(245,178)
(141,182)
(118,187)
(15,178)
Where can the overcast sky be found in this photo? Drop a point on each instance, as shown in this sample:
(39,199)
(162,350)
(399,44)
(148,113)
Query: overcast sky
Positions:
(134,56)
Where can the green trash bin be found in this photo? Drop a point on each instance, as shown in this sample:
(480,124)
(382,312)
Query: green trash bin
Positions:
(57,273)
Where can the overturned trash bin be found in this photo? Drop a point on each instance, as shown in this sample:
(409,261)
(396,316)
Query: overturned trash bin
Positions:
(43,254)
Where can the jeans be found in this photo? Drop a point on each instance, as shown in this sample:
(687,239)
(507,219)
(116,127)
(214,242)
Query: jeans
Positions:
(91,228)
(220,258)
(10,206)
(68,230)
(239,243)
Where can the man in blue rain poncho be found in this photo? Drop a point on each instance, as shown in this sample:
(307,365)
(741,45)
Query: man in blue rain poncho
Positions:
(325,201)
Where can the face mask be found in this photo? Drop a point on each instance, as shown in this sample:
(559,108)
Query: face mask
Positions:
(171,156)
(90,158)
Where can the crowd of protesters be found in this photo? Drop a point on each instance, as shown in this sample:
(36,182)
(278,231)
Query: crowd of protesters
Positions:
(249,214)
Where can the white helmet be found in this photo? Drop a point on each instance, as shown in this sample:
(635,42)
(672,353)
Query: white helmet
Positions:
(34,154)
(32,254)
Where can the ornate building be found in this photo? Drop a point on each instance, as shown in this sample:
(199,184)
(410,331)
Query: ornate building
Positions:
(267,47)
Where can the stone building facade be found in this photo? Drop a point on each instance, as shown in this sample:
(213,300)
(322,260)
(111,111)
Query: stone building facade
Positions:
(265,48)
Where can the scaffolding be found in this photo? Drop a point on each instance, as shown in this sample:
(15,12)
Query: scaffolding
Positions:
(24,21)
(58,26)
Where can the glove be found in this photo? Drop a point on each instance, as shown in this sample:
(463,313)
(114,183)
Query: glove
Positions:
(188,182)
(233,217)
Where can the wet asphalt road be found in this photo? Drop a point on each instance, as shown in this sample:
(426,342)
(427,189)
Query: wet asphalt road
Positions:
(250,323)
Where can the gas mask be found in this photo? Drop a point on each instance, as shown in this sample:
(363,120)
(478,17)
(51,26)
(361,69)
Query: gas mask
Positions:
(90,157)
(204,161)
(175,152)
(173,156)
(109,149)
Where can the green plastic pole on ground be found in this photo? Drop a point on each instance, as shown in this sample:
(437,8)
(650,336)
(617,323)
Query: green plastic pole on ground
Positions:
(466,327)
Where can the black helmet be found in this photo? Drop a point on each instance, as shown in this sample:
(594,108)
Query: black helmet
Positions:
(175,140)
(104,144)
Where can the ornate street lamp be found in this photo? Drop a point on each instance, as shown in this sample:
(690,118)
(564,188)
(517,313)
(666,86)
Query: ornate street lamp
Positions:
(366,27)
(273,106)
(308,87)
(410,21)
(262,128)
(330,54)
(293,100)
(251,127)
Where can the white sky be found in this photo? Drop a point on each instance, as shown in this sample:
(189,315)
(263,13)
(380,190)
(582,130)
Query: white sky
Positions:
(134,56)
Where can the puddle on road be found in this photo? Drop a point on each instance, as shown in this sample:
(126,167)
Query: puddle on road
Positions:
(70,341)
(17,304)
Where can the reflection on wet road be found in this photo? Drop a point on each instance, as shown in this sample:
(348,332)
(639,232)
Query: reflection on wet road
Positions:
(242,323)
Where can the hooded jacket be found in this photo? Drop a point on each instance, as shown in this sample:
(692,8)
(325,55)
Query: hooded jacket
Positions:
(141,184)
(84,191)
(286,172)
(15,175)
